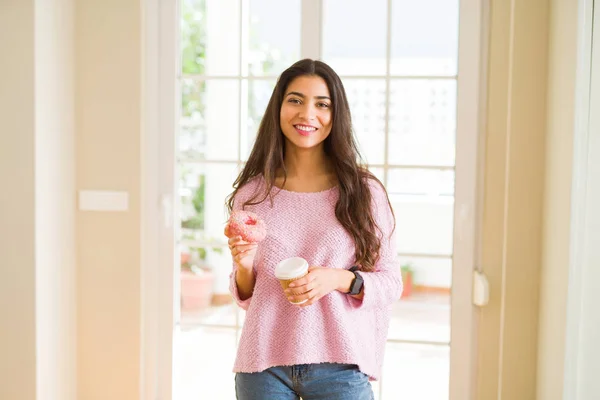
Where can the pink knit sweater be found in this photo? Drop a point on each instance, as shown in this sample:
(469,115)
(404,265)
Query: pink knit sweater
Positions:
(337,328)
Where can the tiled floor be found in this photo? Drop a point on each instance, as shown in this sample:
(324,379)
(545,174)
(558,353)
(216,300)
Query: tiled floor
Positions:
(204,355)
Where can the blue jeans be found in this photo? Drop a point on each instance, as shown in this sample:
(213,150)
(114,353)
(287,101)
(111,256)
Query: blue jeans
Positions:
(309,381)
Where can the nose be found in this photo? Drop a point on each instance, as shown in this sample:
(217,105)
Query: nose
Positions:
(307,112)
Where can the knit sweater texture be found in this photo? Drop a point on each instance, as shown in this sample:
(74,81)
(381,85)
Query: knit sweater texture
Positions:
(337,328)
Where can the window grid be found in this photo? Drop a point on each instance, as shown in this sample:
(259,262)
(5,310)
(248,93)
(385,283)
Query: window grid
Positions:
(243,79)
(243,82)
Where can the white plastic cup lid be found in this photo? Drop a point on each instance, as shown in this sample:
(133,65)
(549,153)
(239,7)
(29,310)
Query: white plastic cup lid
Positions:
(291,268)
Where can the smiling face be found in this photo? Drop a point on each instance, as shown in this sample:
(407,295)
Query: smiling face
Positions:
(306,112)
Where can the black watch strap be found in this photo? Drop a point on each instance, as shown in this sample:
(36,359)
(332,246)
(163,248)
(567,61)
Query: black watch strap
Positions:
(357,283)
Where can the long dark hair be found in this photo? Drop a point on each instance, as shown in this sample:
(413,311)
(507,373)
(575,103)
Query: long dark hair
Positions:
(353,208)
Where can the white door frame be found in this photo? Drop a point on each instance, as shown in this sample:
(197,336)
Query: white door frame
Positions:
(160,55)
(159,94)
(468,198)
(582,350)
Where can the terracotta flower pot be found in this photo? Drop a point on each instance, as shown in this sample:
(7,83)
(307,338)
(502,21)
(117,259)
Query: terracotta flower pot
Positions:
(185,258)
(196,290)
(407,281)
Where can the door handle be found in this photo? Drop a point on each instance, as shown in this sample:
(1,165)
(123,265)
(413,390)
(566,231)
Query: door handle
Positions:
(481,289)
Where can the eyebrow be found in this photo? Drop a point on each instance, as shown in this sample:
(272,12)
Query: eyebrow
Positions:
(303,96)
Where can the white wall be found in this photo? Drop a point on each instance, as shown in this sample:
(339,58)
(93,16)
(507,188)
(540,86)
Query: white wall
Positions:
(37,249)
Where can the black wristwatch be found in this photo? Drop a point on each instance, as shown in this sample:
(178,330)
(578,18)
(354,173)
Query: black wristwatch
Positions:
(357,283)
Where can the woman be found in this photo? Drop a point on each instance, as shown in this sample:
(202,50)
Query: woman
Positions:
(304,179)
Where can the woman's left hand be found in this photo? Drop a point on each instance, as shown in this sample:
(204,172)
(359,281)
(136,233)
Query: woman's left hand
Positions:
(317,283)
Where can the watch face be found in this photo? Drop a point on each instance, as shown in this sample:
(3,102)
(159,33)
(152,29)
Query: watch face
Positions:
(357,284)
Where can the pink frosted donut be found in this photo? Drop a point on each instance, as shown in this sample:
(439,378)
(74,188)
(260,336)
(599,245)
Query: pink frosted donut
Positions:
(248,225)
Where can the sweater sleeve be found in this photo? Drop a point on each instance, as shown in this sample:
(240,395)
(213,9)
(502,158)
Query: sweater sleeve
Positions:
(383,286)
(241,196)
(234,291)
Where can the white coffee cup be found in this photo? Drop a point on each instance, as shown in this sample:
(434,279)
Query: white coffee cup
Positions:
(289,270)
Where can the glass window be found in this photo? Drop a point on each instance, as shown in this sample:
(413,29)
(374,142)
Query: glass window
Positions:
(424,37)
(416,371)
(422,127)
(354,38)
(203,190)
(418,318)
(210,119)
(259,93)
(420,182)
(367,105)
(403,105)
(194,376)
(210,34)
(274,35)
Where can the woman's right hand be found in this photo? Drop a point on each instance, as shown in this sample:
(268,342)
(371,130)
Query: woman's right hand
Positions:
(242,252)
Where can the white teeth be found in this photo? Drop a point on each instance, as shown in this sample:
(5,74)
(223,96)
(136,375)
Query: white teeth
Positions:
(306,128)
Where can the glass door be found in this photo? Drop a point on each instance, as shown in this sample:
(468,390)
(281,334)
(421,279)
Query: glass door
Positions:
(399,61)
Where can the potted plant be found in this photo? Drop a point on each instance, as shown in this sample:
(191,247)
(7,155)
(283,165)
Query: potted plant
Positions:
(407,272)
(214,258)
(196,282)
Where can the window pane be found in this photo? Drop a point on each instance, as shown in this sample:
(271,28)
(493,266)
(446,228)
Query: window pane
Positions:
(354,36)
(424,37)
(202,364)
(203,191)
(274,36)
(378,172)
(210,121)
(413,371)
(205,305)
(421,182)
(367,105)
(422,122)
(210,35)
(204,276)
(204,285)
(424,207)
(259,93)
(423,313)
(193,36)
(430,273)
(424,224)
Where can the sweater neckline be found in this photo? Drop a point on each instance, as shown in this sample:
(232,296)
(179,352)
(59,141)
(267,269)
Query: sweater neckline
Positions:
(277,189)
(324,191)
